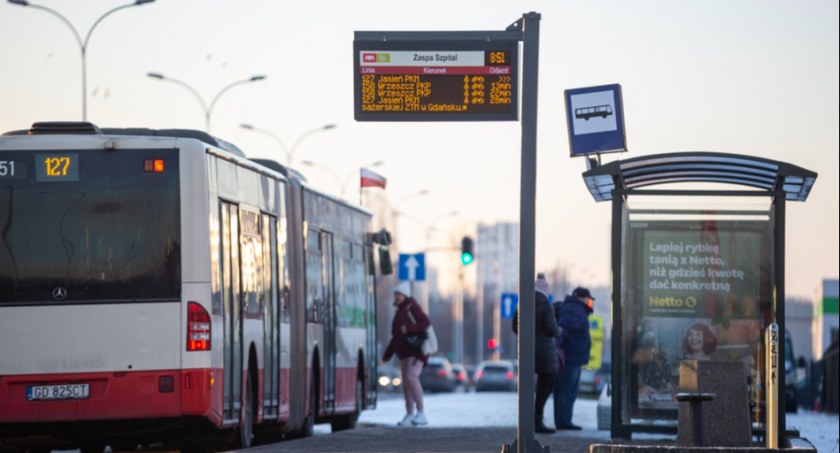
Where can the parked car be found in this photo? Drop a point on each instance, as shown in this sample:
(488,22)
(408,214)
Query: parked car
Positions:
(438,376)
(462,378)
(389,378)
(791,390)
(495,375)
(592,381)
(604,408)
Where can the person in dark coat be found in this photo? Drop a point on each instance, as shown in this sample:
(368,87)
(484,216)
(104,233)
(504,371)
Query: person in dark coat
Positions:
(409,318)
(573,320)
(545,355)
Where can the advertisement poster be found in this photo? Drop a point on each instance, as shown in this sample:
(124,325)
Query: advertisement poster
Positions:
(699,290)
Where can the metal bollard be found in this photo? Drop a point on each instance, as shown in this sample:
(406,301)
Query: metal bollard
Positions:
(695,401)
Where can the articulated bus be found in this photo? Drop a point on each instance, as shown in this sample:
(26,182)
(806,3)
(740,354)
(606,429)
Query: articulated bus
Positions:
(157,286)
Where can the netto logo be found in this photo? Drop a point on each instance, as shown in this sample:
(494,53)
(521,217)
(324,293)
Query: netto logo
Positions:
(59,293)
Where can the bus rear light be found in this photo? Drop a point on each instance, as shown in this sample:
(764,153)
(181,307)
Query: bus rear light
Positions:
(153,165)
(198,328)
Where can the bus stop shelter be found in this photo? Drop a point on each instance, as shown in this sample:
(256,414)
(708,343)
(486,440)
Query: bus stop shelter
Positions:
(704,258)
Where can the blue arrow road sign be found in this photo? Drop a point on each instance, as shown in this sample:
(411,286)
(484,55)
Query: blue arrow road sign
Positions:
(412,267)
(509,303)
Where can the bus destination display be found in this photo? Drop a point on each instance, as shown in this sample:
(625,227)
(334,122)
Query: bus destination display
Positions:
(433,85)
(47,167)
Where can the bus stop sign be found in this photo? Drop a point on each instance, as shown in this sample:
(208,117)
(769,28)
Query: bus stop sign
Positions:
(595,120)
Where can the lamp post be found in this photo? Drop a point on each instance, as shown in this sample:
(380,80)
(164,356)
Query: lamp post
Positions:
(208,109)
(309,163)
(82,43)
(290,151)
(438,219)
(408,197)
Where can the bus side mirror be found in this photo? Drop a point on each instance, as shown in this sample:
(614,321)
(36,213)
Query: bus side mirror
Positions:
(385,265)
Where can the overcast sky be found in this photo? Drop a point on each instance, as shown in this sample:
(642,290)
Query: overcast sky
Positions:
(750,77)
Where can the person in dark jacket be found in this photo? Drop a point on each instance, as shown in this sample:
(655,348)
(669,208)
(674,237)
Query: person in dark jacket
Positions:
(409,318)
(545,355)
(573,320)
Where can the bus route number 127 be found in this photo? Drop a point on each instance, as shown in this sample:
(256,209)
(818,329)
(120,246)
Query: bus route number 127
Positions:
(57,167)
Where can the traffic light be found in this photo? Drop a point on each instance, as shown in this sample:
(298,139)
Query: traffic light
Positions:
(492,344)
(467,251)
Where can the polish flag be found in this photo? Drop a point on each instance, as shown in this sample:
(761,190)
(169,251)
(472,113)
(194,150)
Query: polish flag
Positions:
(371,179)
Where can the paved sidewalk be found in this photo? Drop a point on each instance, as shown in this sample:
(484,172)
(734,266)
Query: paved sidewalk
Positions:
(431,440)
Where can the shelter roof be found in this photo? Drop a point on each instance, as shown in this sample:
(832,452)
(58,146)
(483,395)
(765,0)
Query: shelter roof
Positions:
(700,166)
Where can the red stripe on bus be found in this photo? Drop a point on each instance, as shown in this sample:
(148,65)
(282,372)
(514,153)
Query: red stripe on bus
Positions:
(112,396)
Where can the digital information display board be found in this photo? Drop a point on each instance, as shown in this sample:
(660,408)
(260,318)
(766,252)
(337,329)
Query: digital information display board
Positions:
(436,81)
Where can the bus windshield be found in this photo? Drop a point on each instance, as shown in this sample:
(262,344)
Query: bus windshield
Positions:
(89,226)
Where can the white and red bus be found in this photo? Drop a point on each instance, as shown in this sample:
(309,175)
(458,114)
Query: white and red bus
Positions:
(159,286)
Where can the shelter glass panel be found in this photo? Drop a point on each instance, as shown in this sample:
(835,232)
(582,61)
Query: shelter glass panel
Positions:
(696,283)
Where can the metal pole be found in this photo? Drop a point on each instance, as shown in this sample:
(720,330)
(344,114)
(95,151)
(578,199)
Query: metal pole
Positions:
(497,331)
(771,382)
(779,210)
(497,309)
(82,43)
(458,321)
(617,429)
(209,110)
(479,315)
(530,27)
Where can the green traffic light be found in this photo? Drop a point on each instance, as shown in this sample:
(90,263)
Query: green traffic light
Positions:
(467,251)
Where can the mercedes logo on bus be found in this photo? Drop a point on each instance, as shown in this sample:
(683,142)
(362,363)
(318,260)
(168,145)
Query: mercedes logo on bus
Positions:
(59,293)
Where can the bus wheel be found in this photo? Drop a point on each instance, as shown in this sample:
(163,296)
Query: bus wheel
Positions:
(348,421)
(309,424)
(246,431)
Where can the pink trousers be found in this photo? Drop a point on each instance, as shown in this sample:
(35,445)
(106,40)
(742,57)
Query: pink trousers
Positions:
(412,390)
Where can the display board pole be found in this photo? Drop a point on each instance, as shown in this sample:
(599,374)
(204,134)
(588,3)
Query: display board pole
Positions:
(527,219)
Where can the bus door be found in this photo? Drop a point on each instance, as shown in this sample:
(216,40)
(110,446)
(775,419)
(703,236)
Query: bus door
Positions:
(232,313)
(328,257)
(271,319)
(370,326)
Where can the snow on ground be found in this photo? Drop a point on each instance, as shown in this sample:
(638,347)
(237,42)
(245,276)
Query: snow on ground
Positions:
(489,409)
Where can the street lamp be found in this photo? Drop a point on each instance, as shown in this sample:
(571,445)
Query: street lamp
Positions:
(208,110)
(325,168)
(82,44)
(431,225)
(290,152)
(408,197)
(395,208)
